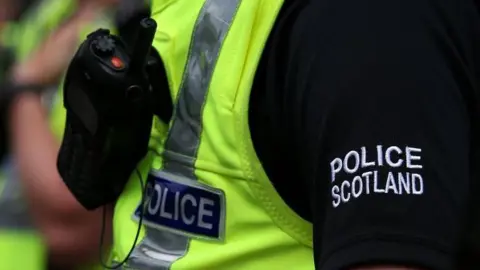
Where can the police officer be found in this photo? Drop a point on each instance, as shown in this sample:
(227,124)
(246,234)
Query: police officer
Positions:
(306,134)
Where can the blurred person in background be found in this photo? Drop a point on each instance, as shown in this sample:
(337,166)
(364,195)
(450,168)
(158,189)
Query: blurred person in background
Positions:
(7,10)
(13,13)
(12,10)
(21,245)
(56,26)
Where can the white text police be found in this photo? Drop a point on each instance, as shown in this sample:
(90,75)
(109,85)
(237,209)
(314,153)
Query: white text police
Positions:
(360,173)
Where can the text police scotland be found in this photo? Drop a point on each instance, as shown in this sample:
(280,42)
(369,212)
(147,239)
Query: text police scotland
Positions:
(362,172)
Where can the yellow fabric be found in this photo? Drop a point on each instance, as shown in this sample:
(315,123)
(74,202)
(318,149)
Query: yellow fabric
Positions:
(262,232)
(21,251)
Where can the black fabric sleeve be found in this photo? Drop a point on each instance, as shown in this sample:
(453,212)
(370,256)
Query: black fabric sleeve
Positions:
(381,97)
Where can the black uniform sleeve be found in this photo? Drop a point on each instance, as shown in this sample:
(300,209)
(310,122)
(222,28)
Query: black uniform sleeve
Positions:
(380,95)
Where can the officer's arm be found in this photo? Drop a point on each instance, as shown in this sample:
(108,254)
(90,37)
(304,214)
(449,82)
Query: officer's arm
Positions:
(388,129)
(71,232)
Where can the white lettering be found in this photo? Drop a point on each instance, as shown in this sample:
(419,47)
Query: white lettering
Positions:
(391,184)
(203,212)
(379,155)
(345,185)
(357,186)
(417,184)
(177,198)
(356,160)
(390,173)
(335,196)
(193,202)
(404,183)
(366,175)
(163,212)
(388,157)
(364,162)
(154,209)
(376,189)
(336,166)
(410,151)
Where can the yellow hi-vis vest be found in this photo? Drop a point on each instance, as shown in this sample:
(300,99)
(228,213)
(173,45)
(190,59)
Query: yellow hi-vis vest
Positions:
(210,204)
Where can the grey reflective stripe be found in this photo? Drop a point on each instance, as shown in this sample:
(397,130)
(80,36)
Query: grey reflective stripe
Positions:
(160,249)
(13,209)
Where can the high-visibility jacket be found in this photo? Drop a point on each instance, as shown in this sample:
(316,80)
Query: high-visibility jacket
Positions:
(209,204)
(21,246)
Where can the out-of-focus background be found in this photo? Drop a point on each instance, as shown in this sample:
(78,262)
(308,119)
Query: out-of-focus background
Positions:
(37,40)
(12,10)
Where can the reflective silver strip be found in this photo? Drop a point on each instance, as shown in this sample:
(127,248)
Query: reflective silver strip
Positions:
(13,209)
(160,249)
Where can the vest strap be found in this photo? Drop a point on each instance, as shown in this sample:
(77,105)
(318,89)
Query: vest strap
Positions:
(160,249)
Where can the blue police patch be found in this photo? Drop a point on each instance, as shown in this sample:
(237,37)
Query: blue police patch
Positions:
(183,206)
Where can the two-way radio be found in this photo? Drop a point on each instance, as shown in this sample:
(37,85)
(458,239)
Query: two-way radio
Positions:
(108,97)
